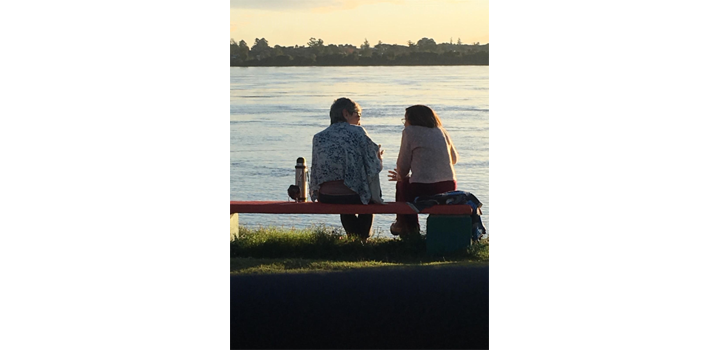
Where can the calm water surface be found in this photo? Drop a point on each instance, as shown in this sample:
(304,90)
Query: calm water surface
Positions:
(275,111)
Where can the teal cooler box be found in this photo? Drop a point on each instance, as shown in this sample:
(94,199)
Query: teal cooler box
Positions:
(448,233)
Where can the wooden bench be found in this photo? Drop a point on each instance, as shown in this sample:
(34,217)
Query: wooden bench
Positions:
(269,207)
(449,227)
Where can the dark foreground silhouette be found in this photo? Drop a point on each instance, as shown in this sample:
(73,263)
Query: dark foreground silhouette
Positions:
(424,307)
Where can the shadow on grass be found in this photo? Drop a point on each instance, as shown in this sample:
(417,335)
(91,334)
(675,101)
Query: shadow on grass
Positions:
(432,306)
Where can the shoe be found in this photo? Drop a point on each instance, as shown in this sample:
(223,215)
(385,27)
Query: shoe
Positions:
(400,230)
(396,229)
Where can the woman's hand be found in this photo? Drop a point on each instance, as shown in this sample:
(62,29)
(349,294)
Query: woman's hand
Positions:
(394,176)
(380,152)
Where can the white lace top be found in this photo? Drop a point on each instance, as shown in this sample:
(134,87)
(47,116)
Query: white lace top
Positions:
(344,152)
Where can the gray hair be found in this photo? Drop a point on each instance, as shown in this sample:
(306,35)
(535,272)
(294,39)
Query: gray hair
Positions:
(342,104)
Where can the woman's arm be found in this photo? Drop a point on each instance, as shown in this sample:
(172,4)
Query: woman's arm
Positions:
(453,154)
(451,147)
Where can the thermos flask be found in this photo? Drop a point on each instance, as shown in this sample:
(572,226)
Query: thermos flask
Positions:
(301,179)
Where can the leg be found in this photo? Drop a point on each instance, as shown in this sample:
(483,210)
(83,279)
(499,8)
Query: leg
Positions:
(413,190)
(360,225)
(403,194)
(349,222)
(364,225)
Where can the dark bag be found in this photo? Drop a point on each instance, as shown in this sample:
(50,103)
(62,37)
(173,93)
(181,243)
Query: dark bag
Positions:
(294,191)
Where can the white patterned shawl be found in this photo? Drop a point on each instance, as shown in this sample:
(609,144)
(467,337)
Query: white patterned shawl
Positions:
(344,152)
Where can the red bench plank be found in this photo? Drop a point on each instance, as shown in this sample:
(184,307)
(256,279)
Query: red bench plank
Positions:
(271,207)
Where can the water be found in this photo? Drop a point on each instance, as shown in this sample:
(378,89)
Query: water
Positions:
(275,111)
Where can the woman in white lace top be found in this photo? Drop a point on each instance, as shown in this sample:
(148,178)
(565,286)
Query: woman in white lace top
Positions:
(344,163)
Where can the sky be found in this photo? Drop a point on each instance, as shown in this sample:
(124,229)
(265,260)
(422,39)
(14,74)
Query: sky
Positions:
(294,22)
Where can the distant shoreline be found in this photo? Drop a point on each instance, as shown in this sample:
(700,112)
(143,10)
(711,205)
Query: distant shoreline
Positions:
(425,53)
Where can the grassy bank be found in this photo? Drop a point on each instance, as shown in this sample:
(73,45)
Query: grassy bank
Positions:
(273,250)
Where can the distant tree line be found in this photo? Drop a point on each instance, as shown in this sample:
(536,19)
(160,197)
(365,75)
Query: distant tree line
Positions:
(316,53)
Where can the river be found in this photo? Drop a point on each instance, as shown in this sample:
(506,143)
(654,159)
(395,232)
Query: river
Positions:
(275,111)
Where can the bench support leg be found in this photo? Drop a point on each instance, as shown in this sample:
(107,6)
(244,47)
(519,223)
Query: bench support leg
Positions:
(234,228)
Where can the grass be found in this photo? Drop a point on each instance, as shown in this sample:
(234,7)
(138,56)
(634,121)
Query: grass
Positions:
(274,250)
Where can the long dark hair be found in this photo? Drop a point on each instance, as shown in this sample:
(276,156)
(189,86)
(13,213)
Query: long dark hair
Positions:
(422,115)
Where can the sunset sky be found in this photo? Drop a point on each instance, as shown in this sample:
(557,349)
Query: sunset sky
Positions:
(293,22)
